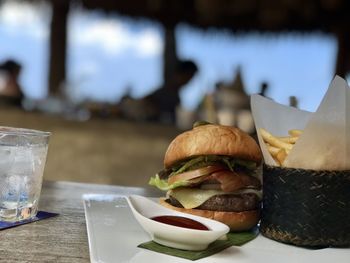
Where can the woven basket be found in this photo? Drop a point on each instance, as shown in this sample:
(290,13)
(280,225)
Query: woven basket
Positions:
(306,207)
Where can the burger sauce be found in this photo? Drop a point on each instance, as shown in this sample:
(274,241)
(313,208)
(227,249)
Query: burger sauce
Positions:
(180,222)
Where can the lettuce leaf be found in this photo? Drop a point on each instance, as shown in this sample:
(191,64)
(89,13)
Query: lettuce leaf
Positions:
(188,164)
(196,163)
(163,184)
(247,164)
(205,160)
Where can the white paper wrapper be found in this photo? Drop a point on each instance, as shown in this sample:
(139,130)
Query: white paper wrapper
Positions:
(323,144)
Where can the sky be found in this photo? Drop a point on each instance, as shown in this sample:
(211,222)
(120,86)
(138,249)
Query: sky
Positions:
(109,56)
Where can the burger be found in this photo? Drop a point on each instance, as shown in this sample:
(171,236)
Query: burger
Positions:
(212,171)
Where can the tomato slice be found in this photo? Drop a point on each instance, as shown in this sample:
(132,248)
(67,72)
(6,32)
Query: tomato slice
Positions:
(195,173)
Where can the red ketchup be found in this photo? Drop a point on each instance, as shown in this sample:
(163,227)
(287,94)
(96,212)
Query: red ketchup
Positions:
(180,222)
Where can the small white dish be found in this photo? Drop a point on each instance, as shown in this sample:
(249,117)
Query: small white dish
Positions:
(174,236)
(114,234)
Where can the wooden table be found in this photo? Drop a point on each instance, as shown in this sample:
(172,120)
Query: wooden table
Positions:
(62,238)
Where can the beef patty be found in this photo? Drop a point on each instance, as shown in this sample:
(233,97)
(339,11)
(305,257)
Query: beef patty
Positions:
(227,203)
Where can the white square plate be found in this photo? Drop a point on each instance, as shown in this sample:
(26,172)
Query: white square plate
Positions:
(114,235)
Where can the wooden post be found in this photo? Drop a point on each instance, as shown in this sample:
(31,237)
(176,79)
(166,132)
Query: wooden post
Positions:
(343,55)
(169,56)
(58,46)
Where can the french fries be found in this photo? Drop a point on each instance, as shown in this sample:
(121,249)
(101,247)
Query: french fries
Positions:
(274,141)
(291,139)
(273,150)
(295,132)
(279,147)
(281,156)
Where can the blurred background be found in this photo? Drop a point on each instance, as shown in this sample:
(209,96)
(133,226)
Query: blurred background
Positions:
(116,81)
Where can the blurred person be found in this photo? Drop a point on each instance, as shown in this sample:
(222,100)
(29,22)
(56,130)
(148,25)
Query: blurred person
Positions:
(10,90)
(293,101)
(263,88)
(161,104)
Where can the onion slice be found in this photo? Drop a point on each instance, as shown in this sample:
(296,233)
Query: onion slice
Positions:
(232,181)
(195,173)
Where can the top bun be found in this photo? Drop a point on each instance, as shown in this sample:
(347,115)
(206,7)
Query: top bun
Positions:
(212,139)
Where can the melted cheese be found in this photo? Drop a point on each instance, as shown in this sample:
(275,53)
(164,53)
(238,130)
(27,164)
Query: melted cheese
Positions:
(191,198)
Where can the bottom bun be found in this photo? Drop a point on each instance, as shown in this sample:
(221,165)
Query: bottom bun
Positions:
(237,221)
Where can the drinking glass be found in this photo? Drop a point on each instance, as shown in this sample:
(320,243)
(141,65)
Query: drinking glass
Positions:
(22,161)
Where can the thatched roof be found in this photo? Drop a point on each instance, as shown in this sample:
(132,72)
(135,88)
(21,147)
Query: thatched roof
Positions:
(275,16)
(236,15)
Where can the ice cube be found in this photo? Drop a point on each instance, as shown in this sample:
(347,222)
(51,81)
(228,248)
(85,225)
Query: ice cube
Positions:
(7,158)
(24,161)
